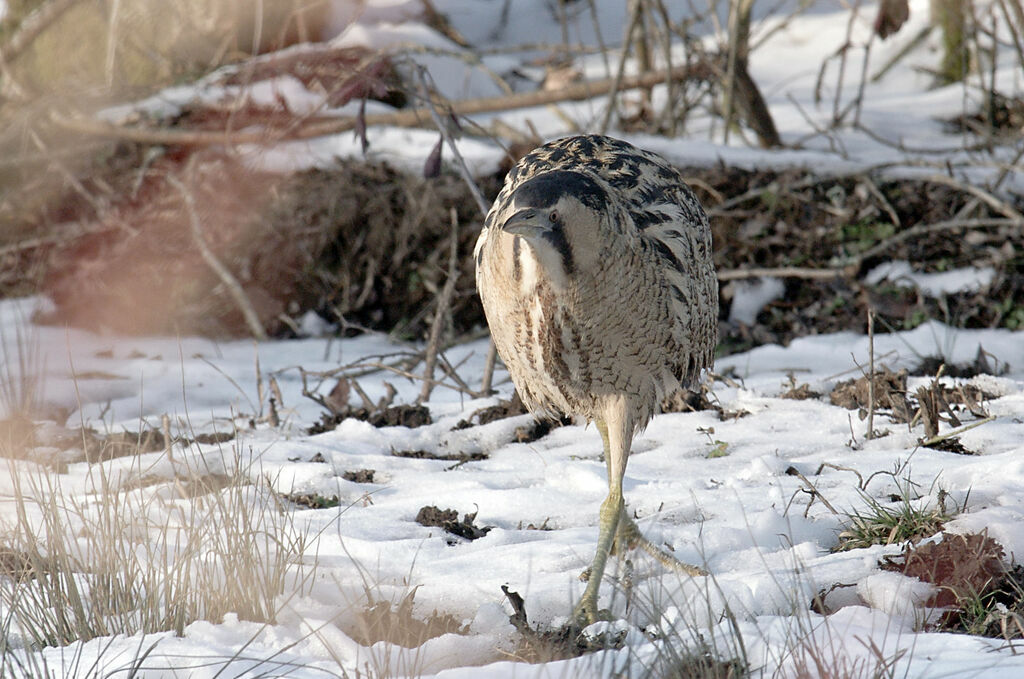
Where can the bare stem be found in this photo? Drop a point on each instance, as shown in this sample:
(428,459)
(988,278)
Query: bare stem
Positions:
(444,301)
(234,288)
(871,374)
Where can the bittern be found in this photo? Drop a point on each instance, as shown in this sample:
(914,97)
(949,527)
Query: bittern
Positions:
(595,271)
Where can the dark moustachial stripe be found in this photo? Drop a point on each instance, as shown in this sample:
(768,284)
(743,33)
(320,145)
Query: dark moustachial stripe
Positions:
(517,269)
(556,236)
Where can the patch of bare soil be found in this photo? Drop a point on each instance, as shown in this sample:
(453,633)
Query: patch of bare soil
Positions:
(696,400)
(427,455)
(314,500)
(792,219)
(528,433)
(499,411)
(802,392)
(411,416)
(359,475)
(448,519)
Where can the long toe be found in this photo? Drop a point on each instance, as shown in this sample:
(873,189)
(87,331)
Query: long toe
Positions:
(629,536)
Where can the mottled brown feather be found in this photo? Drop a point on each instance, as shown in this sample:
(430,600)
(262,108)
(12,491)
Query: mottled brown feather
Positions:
(637,314)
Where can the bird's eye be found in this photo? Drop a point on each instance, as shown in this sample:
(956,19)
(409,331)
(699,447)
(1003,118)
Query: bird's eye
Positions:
(553,217)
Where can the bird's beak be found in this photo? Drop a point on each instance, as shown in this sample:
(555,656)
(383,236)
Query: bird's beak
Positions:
(527,223)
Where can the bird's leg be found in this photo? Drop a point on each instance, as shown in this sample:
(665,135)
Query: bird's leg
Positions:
(616,439)
(628,535)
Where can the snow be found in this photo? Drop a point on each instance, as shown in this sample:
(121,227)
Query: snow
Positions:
(969,279)
(749,297)
(742,514)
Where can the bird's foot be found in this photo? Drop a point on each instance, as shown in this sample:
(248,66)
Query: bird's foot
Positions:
(586,613)
(628,535)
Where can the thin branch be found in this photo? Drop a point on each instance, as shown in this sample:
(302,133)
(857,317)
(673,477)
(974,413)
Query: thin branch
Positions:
(444,302)
(446,133)
(782,272)
(921,229)
(997,204)
(414,117)
(871,374)
(618,82)
(956,432)
(488,377)
(234,288)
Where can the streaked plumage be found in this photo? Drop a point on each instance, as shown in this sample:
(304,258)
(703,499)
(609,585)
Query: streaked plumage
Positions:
(594,268)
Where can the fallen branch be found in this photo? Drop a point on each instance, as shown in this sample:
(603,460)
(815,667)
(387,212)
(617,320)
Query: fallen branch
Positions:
(414,117)
(784,272)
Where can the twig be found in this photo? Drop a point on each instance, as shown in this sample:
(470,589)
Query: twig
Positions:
(837,117)
(469,57)
(484,207)
(412,376)
(1000,206)
(841,468)
(444,301)
(617,83)
(886,205)
(871,374)
(326,126)
(446,133)
(906,49)
(488,377)
(815,493)
(739,38)
(603,49)
(920,229)
(227,278)
(450,371)
(956,432)
(848,371)
(783,272)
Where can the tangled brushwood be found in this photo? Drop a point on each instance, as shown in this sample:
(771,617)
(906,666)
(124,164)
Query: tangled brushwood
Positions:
(363,244)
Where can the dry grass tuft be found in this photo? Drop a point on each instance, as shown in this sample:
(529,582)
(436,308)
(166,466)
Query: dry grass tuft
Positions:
(383,621)
(122,560)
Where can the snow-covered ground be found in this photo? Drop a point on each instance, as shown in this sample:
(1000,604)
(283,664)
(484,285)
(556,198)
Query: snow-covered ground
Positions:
(723,499)
(716,492)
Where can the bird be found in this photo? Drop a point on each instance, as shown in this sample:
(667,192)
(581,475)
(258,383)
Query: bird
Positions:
(594,267)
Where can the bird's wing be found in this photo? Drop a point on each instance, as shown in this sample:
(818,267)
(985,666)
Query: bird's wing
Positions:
(666,216)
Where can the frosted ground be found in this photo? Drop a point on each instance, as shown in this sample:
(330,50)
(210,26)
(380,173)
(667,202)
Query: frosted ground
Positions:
(721,498)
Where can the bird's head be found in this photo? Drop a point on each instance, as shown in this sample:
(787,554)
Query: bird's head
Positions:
(559,215)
